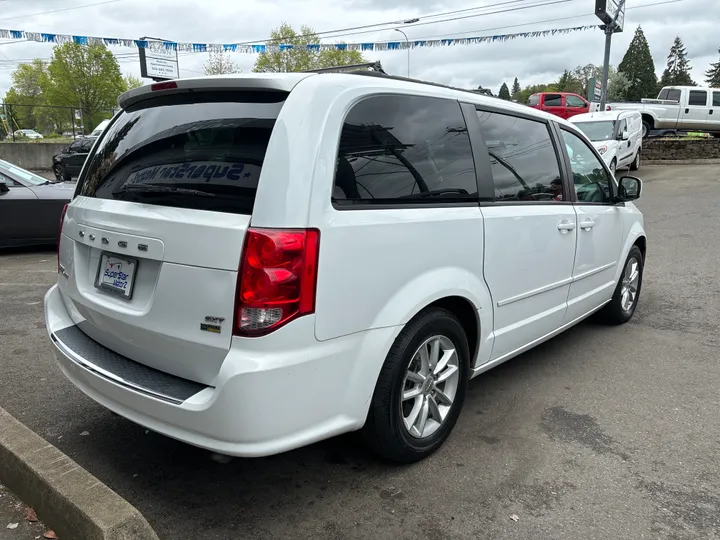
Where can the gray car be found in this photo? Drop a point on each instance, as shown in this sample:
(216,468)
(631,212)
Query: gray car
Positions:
(30,207)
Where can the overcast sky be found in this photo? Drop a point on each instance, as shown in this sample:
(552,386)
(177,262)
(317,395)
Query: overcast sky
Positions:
(532,60)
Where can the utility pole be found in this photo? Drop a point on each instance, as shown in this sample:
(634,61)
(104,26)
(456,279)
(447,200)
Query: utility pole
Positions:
(611,26)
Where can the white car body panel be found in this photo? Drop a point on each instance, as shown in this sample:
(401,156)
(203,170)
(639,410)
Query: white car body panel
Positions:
(525,278)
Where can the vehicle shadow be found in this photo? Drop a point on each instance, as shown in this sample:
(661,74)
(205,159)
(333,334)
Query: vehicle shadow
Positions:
(173,483)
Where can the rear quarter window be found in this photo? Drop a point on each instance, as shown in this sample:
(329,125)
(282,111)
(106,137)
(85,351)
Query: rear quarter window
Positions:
(404,150)
(203,151)
(533,100)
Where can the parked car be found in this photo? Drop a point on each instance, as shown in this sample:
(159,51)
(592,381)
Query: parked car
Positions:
(30,207)
(99,129)
(68,163)
(25,134)
(562,104)
(616,135)
(255,263)
(683,108)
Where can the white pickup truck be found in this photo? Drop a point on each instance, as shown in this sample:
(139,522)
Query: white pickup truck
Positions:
(681,108)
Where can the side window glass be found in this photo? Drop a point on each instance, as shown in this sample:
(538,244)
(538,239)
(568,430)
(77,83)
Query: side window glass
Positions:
(698,97)
(673,95)
(574,101)
(553,100)
(522,158)
(716,99)
(9,182)
(402,150)
(593,184)
(86,145)
(74,147)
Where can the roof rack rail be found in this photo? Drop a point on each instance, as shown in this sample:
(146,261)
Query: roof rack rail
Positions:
(384,75)
(374,66)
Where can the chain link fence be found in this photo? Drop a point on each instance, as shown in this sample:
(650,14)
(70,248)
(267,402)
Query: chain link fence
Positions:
(37,123)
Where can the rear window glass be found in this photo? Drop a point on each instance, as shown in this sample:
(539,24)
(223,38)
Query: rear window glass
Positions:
(669,94)
(203,151)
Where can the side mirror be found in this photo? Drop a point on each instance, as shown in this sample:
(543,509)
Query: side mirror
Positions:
(3,187)
(629,188)
(625,135)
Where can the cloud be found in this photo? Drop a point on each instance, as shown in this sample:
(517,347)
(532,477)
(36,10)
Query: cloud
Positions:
(531,60)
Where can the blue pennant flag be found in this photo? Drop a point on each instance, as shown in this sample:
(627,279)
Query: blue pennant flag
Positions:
(285,47)
(80,40)
(16,34)
(368,46)
(231,47)
(258,48)
(341,46)
(49,37)
(141,44)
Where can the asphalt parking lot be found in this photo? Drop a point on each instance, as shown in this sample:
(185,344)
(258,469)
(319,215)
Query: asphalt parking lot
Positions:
(601,433)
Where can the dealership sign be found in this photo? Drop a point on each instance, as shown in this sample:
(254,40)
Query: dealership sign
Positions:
(609,10)
(159,64)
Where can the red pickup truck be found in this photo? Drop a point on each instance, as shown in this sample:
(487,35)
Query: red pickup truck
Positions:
(562,104)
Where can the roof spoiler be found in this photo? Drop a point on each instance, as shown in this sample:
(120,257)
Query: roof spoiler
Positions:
(370,66)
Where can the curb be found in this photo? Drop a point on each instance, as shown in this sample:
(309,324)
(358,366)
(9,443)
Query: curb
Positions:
(66,497)
(712,161)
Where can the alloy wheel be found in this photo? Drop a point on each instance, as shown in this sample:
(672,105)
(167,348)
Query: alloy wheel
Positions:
(630,282)
(429,387)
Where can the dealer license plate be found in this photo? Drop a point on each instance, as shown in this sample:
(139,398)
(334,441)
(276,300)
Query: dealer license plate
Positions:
(116,275)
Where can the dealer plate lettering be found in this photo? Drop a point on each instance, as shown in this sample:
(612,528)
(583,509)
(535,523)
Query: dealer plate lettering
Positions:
(116,275)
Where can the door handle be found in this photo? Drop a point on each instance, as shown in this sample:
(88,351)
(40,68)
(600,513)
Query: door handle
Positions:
(687,111)
(587,224)
(711,111)
(566,226)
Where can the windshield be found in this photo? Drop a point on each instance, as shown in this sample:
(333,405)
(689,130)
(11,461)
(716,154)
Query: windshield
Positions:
(202,150)
(598,131)
(25,177)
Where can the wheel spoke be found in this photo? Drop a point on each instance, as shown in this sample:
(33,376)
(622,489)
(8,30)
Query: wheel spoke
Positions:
(446,357)
(442,397)
(411,418)
(412,393)
(434,354)
(422,418)
(448,372)
(424,361)
(624,299)
(415,377)
(434,410)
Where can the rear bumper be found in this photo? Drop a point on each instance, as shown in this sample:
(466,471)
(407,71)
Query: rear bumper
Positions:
(272,394)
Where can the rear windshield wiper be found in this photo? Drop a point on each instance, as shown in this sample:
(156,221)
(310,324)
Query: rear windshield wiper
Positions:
(154,188)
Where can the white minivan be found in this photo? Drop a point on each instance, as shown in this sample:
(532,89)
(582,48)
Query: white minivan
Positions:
(252,263)
(617,136)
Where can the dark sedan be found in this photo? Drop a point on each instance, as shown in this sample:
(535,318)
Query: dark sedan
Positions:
(30,207)
(67,164)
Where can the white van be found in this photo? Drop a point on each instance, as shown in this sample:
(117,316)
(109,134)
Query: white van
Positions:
(252,263)
(617,136)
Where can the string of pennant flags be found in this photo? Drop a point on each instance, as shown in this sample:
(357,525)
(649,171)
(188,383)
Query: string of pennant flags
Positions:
(156,45)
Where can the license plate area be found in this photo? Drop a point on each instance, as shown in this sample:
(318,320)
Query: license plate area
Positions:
(116,275)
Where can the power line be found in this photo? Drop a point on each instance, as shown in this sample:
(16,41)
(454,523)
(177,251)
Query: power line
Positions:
(556,19)
(406,24)
(59,10)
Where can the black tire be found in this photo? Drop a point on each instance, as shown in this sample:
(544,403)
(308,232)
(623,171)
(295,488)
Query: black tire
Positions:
(385,431)
(646,129)
(60,173)
(635,165)
(613,312)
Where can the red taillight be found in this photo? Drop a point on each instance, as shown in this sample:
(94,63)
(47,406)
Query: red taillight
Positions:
(62,219)
(277,279)
(169,85)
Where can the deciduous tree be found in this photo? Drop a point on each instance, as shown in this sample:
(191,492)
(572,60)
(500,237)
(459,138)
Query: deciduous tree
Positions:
(299,57)
(220,64)
(86,77)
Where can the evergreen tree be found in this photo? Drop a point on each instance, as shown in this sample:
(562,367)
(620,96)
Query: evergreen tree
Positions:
(504,92)
(637,65)
(677,72)
(712,75)
(515,88)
